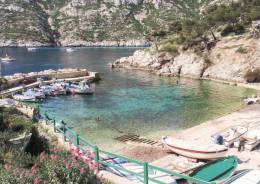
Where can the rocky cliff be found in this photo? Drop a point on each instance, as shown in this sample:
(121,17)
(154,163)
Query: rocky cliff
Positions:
(89,22)
(234,58)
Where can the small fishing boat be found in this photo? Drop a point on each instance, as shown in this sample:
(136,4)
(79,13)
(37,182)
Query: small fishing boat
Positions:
(217,171)
(36,94)
(7,58)
(7,102)
(46,90)
(195,149)
(70,50)
(57,89)
(32,49)
(82,88)
(252,100)
(245,177)
(231,134)
(251,139)
(24,98)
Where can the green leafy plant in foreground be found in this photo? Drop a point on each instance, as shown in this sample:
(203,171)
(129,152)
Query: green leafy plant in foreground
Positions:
(56,167)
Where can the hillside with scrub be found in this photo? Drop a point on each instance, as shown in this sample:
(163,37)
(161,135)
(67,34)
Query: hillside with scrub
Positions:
(82,22)
(220,43)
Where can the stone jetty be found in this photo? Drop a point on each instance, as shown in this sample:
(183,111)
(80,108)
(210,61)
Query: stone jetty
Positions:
(27,78)
(19,81)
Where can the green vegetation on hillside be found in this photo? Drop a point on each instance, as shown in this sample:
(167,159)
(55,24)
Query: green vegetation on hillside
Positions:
(199,32)
(187,22)
(48,20)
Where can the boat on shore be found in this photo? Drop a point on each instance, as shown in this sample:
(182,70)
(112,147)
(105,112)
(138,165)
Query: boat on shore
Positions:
(250,140)
(195,149)
(217,171)
(7,58)
(231,134)
(245,177)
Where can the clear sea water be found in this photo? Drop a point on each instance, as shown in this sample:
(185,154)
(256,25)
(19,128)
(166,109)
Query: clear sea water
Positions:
(127,101)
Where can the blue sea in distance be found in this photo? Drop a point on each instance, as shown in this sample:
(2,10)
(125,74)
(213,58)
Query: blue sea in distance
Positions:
(126,101)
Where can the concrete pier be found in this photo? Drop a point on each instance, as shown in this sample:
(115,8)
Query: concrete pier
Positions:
(74,75)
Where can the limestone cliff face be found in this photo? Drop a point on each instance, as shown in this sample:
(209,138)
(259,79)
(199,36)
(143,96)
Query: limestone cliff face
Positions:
(88,22)
(231,59)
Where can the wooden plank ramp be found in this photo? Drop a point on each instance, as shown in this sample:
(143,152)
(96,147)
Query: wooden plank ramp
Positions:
(133,138)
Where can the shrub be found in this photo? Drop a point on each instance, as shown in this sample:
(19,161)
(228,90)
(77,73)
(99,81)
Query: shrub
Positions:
(57,167)
(237,29)
(253,75)
(168,47)
(241,50)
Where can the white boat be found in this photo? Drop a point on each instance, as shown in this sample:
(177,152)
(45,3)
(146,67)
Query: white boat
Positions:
(32,49)
(70,50)
(7,58)
(195,149)
(82,88)
(245,177)
(252,139)
(7,102)
(46,90)
(231,134)
(58,89)
(24,98)
(36,94)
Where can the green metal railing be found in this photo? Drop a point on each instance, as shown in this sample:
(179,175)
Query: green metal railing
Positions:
(100,155)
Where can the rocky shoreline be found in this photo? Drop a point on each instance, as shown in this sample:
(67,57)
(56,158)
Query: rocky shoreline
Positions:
(75,43)
(225,62)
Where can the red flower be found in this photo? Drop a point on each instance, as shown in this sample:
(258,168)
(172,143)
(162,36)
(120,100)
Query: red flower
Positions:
(53,157)
(7,167)
(36,180)
(34,169)
(81,170)
(42,156)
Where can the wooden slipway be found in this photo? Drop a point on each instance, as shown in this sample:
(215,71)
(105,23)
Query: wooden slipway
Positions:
(132,138)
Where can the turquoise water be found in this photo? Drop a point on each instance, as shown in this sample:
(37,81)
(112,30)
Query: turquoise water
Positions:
(128,101)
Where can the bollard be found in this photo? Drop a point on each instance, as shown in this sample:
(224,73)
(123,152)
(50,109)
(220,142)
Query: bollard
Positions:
(146,177)
(77,136)
(54,125)
(46,117)
(96,157)
(64,130)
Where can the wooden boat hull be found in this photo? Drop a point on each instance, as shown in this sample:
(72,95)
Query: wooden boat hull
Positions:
(196,154)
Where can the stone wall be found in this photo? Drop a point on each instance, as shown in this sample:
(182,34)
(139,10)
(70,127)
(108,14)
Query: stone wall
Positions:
(48,74)
(27,110)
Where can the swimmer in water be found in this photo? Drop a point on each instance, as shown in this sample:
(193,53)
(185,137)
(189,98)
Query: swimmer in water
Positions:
(98,119)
